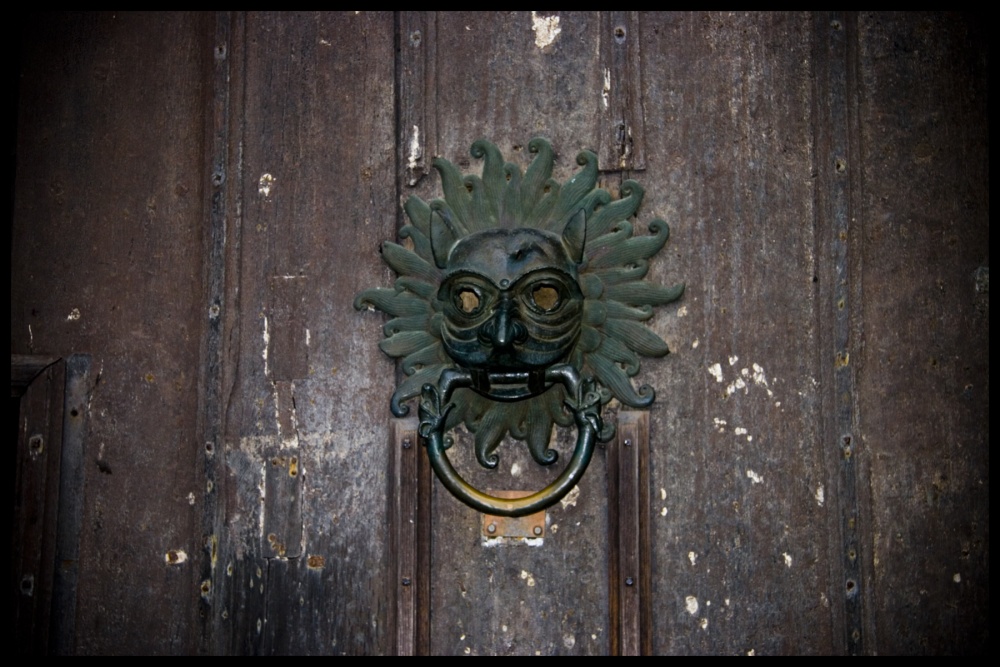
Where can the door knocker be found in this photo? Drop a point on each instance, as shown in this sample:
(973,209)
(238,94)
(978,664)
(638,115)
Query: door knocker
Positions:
(520,305)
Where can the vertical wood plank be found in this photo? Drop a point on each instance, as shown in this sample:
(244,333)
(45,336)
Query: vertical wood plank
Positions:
(106,240)
(630,574)
(838,234)
(39,449)
(622,132)
(923,372)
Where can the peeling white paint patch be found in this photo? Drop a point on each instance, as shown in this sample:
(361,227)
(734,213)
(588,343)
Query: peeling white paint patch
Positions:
(74,315)
(261,489)
(267,343)
(606,91)
(694,345)
(733,359)
(703,624)
(265,184)
(739,430)
(715,370)
(760,379)
(751,653)
(528,578)
(492,542)
(691,604)
(957,578)
(175,556)
(570,499)
(754,477)
(415,152)
(693,557)
(788,559)
(546,29)
(818,495)
(735,386)
(682,311)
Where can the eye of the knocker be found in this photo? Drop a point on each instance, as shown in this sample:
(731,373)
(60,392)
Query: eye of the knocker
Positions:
(518,288)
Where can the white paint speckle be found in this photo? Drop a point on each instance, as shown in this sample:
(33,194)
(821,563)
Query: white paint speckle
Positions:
(606,91)
(739,430)
(265,185)
(694,345)
(503,628)
(515,469)
(554,528)
(415,154)
(175,556)
(760,380)
(726,601)
(734,386)
(569,641)
(307,337)
(751,653)
(546,29)
(818,495)
(324,42)
(754,477)
(703,624)
(570,499)
(788,559)
(663,511)
(528,578)
(663,493)
(190,498)
(691,604)
(682,311)
(957,578)
(749,438)
(267,342)
(74,315)
(693,557)
(716,371)
(468,650)
(733,359)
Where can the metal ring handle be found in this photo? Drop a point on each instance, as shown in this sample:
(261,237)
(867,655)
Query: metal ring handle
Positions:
(434,409)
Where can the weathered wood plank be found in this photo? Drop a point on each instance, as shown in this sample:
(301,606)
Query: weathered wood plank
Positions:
(923,375)
(107,260)
(737,467)
(317,198)
(37,461)
(509,77)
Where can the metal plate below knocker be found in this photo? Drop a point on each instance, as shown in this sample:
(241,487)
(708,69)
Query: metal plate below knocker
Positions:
(520,305)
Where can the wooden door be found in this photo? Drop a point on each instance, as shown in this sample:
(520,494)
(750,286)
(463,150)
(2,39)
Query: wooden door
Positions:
(198,199)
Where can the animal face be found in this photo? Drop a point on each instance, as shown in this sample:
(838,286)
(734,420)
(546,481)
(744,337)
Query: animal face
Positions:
(510,300)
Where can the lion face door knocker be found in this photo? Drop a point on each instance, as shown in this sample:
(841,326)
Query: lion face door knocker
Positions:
(520,306)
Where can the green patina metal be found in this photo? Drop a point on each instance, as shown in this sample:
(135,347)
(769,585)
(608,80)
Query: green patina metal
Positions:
(521,305)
